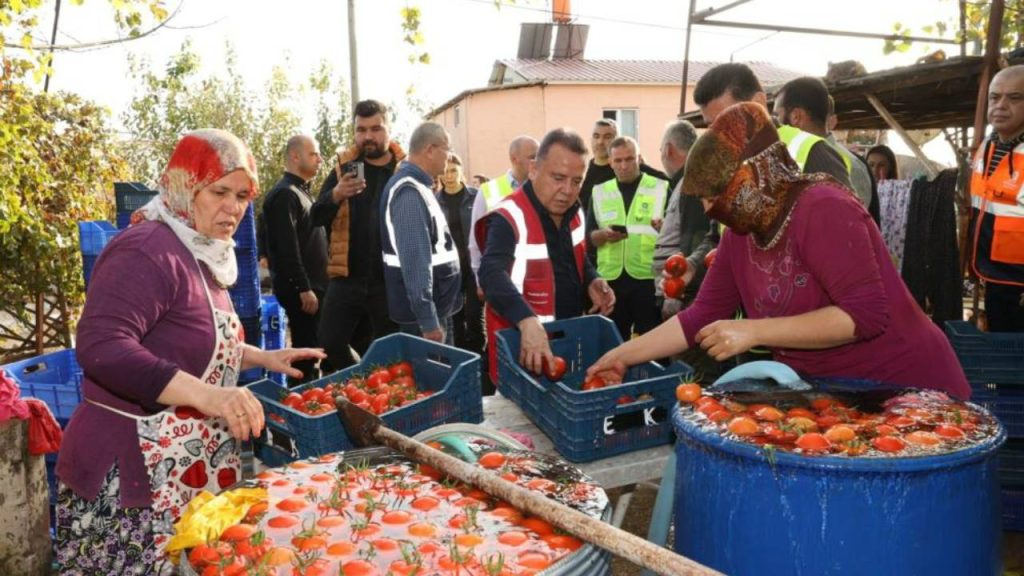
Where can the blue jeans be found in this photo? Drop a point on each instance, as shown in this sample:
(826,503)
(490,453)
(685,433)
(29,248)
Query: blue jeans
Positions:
(446,325)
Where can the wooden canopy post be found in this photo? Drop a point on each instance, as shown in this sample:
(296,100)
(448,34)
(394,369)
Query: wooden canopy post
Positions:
(884,113)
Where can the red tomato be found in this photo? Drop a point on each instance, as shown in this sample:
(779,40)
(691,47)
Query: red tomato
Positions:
(949,431)
(674,287)
(378,378)
(625,399)
(238,532)
(688,392)
(720,415)
(743,426)
(380,403)
(313,394)
(593,383)
(888,444)
(813,442)
(554,370)
(492,460)
(401,369)
(292,400)
(676,265)
(768,414)
(710,258)
(355,395)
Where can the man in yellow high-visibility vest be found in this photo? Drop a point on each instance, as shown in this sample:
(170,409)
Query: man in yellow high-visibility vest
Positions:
(521,153)
(803,104)
(623,225)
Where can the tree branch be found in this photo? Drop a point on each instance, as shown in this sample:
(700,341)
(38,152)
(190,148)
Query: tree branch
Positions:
(97,43)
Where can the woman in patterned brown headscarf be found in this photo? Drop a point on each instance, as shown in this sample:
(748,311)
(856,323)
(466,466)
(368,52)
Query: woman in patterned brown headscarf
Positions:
(807,265)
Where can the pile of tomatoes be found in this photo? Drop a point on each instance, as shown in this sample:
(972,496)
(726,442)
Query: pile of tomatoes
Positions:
(383,389)
(911,423)
(323,516)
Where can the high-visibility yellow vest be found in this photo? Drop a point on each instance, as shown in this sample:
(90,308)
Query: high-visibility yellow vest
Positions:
(495,190)
(635,253)
(799,144)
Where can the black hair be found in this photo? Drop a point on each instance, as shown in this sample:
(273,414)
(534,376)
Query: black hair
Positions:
(737,78)
(889,155)
(370,108)
(809,94)
(564,136)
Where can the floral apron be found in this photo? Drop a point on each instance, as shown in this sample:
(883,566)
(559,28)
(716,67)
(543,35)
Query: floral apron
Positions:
(186,452)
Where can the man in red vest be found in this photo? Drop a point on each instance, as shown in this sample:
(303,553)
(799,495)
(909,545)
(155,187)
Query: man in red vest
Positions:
(534,266)
(997,204)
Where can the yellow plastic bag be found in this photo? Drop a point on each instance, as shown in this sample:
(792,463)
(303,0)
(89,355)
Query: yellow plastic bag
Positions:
(207,516)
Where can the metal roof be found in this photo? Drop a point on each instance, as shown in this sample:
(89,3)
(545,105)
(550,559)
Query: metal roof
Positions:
(571,70)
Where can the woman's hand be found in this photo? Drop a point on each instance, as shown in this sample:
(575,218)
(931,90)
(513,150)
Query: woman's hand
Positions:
(282,360)
(243,412)
(611,361)
(727,338)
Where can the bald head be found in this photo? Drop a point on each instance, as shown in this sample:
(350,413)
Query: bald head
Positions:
(521,153)
(302,156)
(1006,102)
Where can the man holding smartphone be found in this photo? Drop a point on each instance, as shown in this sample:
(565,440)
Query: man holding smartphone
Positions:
(348,207)
(623,223)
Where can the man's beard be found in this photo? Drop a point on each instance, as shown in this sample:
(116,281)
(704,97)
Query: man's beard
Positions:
(375,152)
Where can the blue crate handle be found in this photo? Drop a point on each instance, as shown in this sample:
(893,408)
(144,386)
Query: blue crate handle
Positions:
(760,371)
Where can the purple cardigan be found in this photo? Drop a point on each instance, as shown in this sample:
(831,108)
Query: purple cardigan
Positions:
(831,254)
(146,317)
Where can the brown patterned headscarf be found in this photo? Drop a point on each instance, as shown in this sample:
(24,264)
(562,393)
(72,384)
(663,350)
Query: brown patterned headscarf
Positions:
(742,166)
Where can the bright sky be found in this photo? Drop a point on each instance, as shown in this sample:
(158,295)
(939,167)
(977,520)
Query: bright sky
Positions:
(465,37)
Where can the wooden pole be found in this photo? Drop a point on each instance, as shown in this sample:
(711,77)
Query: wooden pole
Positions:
(988,67)
(884,113)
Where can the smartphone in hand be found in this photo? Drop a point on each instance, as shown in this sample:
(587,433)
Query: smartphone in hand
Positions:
(356,169)
(620,228)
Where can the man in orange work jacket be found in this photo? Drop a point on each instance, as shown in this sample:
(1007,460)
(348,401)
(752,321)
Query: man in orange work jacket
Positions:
(997,204)
(534,266)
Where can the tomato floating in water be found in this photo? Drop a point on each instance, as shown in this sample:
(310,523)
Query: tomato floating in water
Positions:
(888,444)
(813,442)
(688,392)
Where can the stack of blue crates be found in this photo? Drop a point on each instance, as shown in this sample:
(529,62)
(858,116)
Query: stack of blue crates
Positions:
(275,326)
(129,197)
(56,379)
(92,238)
(994,365)
(245,294)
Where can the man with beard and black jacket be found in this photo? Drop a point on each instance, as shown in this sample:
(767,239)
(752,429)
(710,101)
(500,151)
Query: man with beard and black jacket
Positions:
(349,208)
(296,248)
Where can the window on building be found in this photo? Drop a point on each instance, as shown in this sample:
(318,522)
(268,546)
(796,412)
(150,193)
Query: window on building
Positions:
(628,120)
(458,114)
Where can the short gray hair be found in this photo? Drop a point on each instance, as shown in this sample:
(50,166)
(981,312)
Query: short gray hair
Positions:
(624,141)
(680,134)
(426,134)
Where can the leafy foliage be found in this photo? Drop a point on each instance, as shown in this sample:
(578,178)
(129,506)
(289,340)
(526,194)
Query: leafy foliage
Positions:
(977,17)
(58,163)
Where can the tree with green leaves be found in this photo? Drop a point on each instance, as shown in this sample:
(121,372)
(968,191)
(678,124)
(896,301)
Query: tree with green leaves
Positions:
(976,15)
(59,160)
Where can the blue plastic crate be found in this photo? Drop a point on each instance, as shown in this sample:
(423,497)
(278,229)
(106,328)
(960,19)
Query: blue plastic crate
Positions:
(1013,508)
(275,328)
(452,374)
(129,197)
(54,378)
(988,357)
(585,426)
(245,236)
(92,238)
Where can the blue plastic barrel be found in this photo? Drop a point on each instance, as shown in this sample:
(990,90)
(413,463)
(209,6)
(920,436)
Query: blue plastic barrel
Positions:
(742,511)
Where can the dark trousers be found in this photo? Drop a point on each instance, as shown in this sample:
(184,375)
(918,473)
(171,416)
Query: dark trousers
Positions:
(344,306)
(446,325)
(303,328)
(1003,307)
(635,308)
(468,326)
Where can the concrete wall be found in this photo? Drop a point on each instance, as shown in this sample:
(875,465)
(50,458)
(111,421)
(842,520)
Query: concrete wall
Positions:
(489,120)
